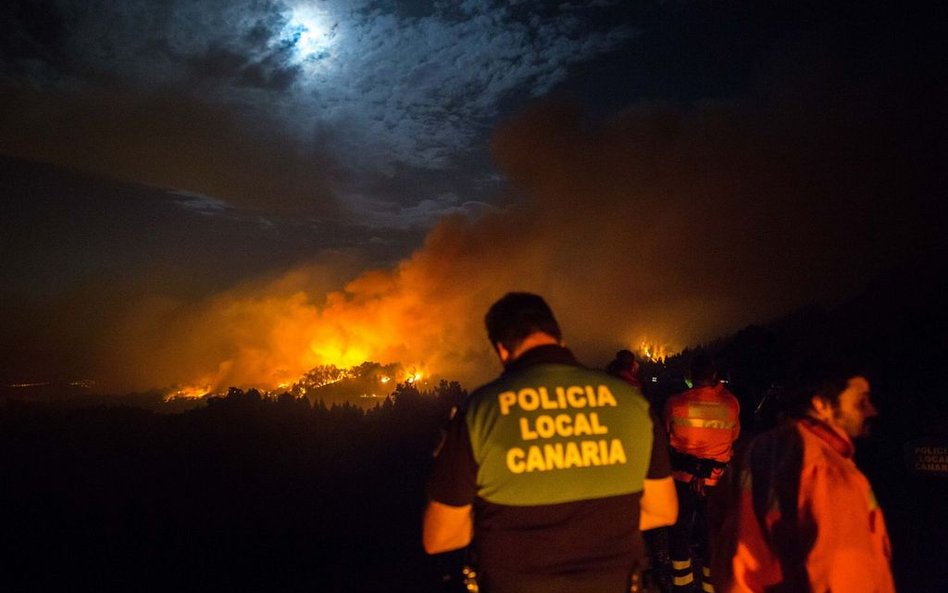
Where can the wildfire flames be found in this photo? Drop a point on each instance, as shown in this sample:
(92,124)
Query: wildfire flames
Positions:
(426,316)
(602,226)
(366,380)
(188,392)
(654,351)
(376,317)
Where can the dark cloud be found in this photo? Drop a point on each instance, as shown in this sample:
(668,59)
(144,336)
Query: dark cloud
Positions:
(260,83)
(269,76)
(32,44)
(176,142)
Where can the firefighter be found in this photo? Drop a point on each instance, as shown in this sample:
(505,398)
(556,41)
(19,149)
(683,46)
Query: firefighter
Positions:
(806,518)
(703,423)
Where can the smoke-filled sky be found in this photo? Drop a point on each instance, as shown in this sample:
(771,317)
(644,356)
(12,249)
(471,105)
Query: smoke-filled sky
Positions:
(214,193)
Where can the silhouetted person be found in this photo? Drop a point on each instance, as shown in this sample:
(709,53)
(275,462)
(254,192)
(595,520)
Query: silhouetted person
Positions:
(703,423)
(626,368)
(553,468)
(804,517)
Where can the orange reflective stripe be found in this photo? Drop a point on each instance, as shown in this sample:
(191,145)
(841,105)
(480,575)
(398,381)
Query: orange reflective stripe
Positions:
(682,581)
(703,423)
(716,410)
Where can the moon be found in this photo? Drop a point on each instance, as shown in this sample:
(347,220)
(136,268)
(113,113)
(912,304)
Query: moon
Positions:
(313,33)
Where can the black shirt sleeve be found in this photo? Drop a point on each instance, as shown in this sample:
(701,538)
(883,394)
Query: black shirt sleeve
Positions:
(453,477)
(659,465)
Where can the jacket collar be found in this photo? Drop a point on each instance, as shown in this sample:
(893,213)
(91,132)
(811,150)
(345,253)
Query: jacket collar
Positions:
(826,433)
(546,354)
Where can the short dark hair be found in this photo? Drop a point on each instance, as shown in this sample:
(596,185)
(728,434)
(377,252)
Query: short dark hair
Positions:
(703,368)
(623,361)
(625,357)
(517,315)
(826,380)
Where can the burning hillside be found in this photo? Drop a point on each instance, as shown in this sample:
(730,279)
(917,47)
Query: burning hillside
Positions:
(366,384)
(650,226)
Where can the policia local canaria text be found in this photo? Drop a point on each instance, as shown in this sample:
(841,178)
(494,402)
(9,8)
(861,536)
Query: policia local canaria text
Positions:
(569,423)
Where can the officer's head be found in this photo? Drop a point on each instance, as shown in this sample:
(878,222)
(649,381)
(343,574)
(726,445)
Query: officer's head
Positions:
(519,317)
(703,370)
(837,395)
(625,359)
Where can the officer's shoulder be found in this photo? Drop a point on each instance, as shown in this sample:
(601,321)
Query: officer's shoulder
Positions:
(485,391)
(619,387)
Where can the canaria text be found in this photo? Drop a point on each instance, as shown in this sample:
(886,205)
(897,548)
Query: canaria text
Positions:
(552,456)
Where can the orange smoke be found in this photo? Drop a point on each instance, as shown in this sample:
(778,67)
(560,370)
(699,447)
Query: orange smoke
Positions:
(425,314)
(427,311)
(651,226)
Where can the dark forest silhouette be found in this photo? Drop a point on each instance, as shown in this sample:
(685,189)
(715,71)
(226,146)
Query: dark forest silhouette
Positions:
(247,493)
(252,492)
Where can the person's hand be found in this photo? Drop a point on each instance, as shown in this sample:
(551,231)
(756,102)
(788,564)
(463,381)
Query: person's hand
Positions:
(697,486)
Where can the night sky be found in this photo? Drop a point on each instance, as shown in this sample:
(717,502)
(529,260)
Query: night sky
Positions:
(220,193)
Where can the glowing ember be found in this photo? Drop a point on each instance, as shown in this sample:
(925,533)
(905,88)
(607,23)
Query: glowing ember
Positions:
(188,392)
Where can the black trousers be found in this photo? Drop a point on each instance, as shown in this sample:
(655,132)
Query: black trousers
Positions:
(691,529)
(604,582)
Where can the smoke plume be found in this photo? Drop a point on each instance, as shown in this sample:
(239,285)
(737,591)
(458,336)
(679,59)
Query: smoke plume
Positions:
(667,225)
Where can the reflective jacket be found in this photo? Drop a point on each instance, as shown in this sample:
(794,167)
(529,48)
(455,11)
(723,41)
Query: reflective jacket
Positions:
(845,544)
(703,422)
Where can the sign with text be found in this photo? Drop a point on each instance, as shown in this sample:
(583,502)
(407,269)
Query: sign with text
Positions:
(928,456)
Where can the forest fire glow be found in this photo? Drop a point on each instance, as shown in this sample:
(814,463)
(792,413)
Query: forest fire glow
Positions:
(426,311)
(423,318)
(654,351)
(337,354)
(191,392)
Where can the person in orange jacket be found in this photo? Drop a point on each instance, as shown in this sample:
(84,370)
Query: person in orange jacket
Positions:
(702,424)
(806,518)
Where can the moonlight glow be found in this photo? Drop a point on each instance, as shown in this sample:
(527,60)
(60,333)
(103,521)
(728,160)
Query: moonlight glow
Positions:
(311,31)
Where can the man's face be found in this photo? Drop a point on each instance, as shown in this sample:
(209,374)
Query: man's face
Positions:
(855,408)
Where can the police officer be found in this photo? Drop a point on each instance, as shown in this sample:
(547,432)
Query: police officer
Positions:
(553,469)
